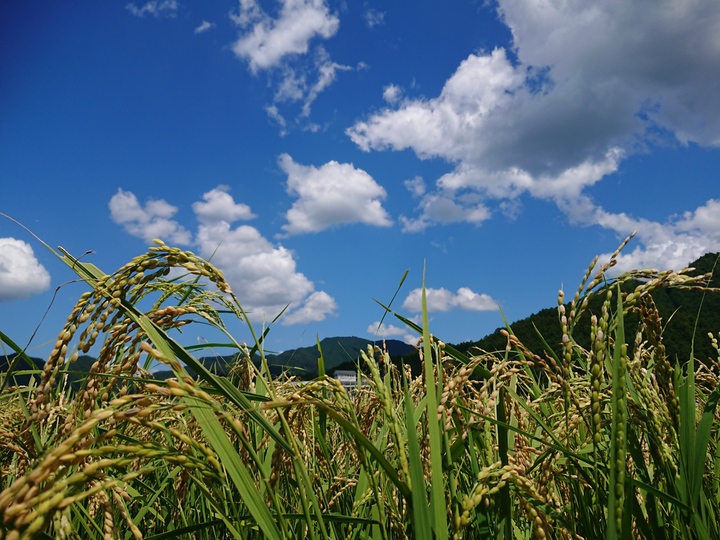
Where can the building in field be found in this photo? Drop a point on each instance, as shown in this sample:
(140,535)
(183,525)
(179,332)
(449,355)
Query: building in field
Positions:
(349,379)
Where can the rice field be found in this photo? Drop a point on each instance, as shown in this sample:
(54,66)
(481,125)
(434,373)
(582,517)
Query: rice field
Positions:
(612,441)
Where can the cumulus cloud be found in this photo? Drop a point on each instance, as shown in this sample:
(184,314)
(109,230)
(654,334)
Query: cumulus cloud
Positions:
(584,86)
(669,245)
(315,308)
(331,195)
(445,300)
(585,83)
(705,218)
(21,275)
(384,331)
(282,46)
(155,8)
(266,41)
(218,205)
(263,275)
(480,85)
(147,222)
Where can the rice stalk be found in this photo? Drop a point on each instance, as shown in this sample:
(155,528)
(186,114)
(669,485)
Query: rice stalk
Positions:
(608,441)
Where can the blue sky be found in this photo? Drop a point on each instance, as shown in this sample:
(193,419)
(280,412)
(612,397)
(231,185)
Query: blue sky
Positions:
(322,148)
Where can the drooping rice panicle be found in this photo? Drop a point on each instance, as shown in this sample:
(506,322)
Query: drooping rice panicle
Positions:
(562,441)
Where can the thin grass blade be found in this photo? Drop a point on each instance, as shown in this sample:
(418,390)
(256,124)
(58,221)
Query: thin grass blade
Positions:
(420,505)
(438,513)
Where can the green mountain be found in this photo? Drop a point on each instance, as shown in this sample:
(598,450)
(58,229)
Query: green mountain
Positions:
(679,310)
(22,369)
(20,375)
(336,351)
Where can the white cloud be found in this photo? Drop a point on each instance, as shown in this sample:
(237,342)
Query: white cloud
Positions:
(249,12)
(472,301)
(327,71)
(315,308)
(472,123)
(374,18)
(219,205)
(416,186)
(705,218)
(444,300)
(446,126)
(589,84)
(392,94)
(270,40)
(297,71)
(442,208)
(148,222)
(670,245)
(155,8)
(204,27)
(292,86)
(274,113)
(21,275)
(334,194)
(510,208)
(263,275)
(294,83)
(384,331)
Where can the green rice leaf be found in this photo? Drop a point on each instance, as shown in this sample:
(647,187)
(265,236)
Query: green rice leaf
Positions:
(420,505)
(236,469)
(175,533)
(438,520)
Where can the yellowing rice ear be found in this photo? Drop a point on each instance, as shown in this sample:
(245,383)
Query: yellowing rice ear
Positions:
(546,441)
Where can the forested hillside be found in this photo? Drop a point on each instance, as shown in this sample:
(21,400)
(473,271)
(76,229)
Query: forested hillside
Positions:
(679,309)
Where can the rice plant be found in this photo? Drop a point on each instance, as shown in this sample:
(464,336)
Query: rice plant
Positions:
(612,441)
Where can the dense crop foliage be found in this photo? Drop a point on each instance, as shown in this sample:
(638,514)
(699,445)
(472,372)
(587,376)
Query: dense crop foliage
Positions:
(609,440)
